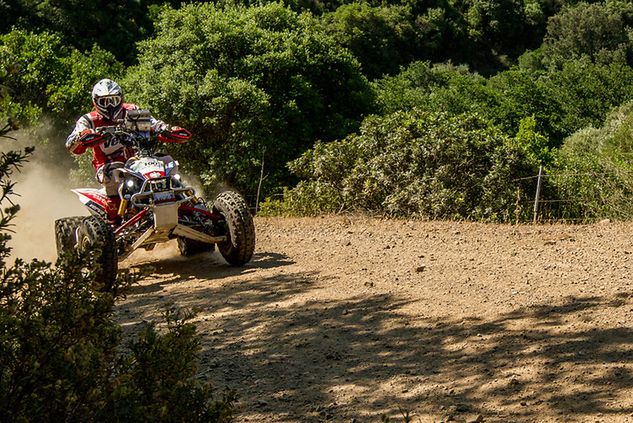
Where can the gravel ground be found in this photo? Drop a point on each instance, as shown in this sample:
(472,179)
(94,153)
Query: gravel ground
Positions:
(348,319)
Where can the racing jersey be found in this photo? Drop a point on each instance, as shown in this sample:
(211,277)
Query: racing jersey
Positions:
(111,150)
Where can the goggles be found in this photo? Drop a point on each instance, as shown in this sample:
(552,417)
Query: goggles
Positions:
(108,101)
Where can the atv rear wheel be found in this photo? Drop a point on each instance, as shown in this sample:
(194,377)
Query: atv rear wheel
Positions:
(65,228)
(240,244)
(94,232)
(189,247)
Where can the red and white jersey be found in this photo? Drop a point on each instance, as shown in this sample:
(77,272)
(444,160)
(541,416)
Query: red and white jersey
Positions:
(108,151)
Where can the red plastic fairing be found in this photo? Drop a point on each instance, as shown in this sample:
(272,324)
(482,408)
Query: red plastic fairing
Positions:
(90,194)
(176,135)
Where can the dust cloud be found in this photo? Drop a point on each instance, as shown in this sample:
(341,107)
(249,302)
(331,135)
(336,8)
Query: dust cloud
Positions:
(43,189)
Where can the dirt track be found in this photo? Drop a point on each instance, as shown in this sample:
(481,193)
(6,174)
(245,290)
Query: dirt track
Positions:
(345,320)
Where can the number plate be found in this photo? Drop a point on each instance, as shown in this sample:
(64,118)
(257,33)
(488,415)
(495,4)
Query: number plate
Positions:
(162,197)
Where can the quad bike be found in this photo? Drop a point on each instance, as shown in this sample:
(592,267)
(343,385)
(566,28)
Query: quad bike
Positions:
(155,206)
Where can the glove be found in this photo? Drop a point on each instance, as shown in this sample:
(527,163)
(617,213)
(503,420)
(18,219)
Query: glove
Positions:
(90,138)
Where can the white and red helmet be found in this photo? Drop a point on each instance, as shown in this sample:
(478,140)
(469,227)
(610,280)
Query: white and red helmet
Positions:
(107,97)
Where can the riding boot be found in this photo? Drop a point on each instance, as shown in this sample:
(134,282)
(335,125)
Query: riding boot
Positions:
(112,209)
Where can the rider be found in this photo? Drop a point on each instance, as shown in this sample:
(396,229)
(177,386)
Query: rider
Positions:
(108,153)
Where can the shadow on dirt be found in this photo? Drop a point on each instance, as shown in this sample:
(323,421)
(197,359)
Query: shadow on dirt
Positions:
(208,266)
(435,366)
(277,354)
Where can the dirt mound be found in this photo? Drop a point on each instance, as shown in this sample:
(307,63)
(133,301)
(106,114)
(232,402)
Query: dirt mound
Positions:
(340,319)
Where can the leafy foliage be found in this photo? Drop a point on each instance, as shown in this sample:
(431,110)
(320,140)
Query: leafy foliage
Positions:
(416,163)
(61,356)
(562,100)
(39,74)
(592,171)
(444,87)
(586,92)
(594,31)
(382,38)
(113,26)
(250,82)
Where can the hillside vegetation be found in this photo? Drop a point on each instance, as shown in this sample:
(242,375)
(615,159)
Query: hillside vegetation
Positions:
(437,109)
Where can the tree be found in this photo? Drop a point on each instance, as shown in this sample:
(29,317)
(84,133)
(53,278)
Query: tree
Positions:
(381,38)
(114,26)
(250,82)
(594,31)
(39,74)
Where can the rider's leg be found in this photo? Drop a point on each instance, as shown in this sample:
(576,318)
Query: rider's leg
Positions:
(111,187)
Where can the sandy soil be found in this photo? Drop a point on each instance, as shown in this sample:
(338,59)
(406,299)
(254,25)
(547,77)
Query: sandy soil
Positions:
(348,319)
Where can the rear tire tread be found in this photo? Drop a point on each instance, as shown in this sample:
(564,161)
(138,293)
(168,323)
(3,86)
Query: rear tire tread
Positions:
(65,228)
(189,247)
(98,233)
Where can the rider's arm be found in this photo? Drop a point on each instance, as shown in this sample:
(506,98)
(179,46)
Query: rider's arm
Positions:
(73,143)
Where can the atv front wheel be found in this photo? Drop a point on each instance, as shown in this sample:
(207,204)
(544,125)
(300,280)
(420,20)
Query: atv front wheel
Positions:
(189,247)
(65,233)
(240,244)
(95,233)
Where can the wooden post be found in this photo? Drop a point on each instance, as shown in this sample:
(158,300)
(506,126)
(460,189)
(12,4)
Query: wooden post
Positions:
(261,178)
(537,197)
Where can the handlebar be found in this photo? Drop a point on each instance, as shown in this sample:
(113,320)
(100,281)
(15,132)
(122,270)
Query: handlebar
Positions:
(114,130)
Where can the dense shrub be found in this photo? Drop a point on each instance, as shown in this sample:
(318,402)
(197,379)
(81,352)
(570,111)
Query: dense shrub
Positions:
(506,99)
(443,87)
(61,356)
(486,35)
(113,26)
(562,101)
(412,163)
(586,92)
(250,83)
(592,172)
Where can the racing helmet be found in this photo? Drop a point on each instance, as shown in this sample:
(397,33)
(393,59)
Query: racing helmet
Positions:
(107,97)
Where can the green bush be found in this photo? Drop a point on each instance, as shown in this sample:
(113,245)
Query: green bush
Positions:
(440,87)
(586,92)
(62,356)
(249,82)
(113,26)
(561,101)
(592,171)
(414,163)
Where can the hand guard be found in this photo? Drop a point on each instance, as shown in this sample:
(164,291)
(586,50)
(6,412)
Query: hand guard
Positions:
(173,134)
(90,138)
